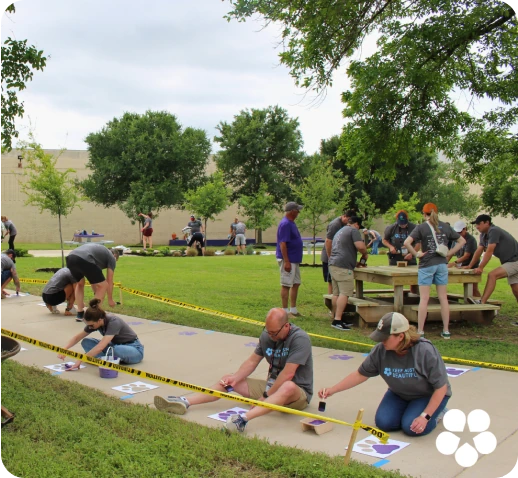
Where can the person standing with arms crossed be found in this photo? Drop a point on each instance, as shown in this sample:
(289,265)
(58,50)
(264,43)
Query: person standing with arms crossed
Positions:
(289,256)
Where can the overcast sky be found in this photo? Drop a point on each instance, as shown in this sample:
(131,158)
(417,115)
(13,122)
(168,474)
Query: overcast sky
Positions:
(112,56)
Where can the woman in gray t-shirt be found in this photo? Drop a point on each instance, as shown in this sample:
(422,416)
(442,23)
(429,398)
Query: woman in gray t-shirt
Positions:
(116,333)
(414,372)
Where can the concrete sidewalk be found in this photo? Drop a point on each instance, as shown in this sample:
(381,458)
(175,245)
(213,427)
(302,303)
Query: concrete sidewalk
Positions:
(201,357)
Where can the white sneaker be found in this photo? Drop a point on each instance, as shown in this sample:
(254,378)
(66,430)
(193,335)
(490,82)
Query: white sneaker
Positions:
(176,405)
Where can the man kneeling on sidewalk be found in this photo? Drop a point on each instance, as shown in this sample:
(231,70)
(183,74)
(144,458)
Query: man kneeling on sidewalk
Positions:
(287,349)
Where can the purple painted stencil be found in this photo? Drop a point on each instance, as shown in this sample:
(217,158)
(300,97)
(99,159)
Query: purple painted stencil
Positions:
(316,422)
(385,449)
(452,371)
(341,357)
(229,413)
(187,333)
(251,344)
(134,323)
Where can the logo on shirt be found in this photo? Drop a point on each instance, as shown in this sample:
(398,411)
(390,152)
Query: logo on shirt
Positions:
(400,373)
(387,371)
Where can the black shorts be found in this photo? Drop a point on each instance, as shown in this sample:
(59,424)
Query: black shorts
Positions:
(81,268)
(54,299)
(325,270)
(197,236)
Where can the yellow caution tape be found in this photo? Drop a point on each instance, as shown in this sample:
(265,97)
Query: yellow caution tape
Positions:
(497,366)
(383,436)
(44,281)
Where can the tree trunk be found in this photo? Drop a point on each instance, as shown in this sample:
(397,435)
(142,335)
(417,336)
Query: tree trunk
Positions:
(61,242)
(205,228)
(258,236)
(314,243)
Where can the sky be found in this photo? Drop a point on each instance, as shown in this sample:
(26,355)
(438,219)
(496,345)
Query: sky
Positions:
(113,56)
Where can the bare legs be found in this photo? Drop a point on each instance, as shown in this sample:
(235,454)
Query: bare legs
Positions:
(424,292)
(339,305)
(285,294)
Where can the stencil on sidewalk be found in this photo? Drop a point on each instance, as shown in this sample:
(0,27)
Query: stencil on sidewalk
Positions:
(222,416)
(373,447)
(61,367)
(135,387)
(455,372)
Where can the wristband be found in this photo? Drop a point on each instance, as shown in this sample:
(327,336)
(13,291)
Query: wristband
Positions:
(265,394)
(425,415)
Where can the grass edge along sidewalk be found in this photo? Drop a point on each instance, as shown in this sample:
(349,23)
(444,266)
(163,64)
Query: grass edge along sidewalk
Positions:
(381,435)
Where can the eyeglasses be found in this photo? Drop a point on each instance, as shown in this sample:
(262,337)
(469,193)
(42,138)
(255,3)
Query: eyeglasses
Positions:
(274,334)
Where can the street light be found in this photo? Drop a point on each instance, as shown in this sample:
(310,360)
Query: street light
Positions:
(4,4)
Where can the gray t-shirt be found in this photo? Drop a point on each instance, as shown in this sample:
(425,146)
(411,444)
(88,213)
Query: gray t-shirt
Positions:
(296,348)
(506,246)
(343,251)
(11,228)
(113,325)
(195,226)
(470,247)
(96,254)
(240,228)
(149,221)
(417,374)
(423,233)
(59,281)
(333,227)
(7,263)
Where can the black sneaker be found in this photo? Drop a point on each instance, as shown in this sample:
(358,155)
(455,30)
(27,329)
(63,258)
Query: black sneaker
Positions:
(341,325)
(80,316)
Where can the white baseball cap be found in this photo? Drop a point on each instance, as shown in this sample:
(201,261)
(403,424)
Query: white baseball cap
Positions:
(391,323)
(459,226)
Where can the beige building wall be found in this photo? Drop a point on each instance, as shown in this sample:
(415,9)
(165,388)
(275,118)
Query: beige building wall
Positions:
(36,227)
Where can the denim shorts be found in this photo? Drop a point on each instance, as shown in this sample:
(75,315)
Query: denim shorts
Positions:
(437,275)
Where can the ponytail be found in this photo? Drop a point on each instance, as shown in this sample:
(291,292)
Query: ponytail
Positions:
(434,220)
(94,313)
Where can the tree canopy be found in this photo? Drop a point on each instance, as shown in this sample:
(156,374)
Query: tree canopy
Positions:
(261,146)
(402,97)
(18,63)
(145,162)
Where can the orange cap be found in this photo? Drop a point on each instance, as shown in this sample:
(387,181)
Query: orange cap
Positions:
(429,207)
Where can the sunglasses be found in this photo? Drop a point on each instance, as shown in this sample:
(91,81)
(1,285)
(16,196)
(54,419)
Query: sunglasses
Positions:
(274,334)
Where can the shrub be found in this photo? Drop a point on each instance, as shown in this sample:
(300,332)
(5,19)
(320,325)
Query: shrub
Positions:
(229,252)
(165,251)
(210,252)
(257,253)
(192,253)
(249,250)
(177,254)
(22,253)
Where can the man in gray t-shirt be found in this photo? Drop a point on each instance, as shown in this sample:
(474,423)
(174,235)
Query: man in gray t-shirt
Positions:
(496,241)
(60,288)
(342,261)
(289,383)
(89,260)
(240,237)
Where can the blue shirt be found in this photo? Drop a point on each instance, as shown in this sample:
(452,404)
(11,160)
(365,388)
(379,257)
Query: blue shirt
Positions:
(288,232)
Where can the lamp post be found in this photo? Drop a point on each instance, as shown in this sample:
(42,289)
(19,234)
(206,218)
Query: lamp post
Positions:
(4,4)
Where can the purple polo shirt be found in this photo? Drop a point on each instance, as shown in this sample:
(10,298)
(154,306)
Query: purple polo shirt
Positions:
(288,232)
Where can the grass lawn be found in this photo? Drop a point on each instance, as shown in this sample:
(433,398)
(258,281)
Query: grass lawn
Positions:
(64,429)
(248,286)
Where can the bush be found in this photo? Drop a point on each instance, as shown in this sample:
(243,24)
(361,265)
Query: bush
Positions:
(192,253)
(165,251)
(177,254)
(230,252)
(22,253)
(257,253)
(210,252)
(249,250)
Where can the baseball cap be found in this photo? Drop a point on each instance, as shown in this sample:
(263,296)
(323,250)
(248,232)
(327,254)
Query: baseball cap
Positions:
(459,226)
(356,220)
(391,323)
(429,207)
(192,216)
(11,251)
(402,218)
(292,206)
(482,218)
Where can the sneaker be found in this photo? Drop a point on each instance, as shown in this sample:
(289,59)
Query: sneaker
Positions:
(421,333)
(235,424)
(80,316)
(55,310)
(441,415)
(471,300)
(341,325)
(411,294)
(176,405)
(296,314)
(445,335)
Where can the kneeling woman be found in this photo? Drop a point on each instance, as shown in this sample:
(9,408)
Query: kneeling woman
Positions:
(116,333)
(414,372)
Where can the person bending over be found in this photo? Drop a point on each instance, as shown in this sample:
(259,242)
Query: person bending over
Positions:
(60,288)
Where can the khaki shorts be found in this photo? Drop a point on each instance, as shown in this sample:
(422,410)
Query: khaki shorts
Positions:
(512,272)
(256,387)
(343,281)
(289,279)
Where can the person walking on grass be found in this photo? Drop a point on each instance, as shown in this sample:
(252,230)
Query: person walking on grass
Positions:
(495,241)
(115,333)
(418,386)
(147,230)
(289,382)
(433,263)
(88,261)
(289,256)
(10,229)
(60,288)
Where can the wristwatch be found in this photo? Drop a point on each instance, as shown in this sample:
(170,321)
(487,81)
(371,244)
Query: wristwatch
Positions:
(265,394)
(425,415)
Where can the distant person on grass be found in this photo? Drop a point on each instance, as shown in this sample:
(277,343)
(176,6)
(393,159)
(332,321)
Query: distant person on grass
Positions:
(465,253)
(240,237)
(418,386)
(88,261)
(289,256)
(287,349)
(501,244)
(116,333)
(374,238)
(10,229)
(147,230)
(60,288)
(9,271)
(196,233)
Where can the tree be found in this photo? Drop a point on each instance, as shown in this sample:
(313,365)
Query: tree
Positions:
(144,162)
(403,94)
(18,63)
(209,200)
(319,193)
(411,206)
(367,210)
(261,146)
(260,209)
(47,188)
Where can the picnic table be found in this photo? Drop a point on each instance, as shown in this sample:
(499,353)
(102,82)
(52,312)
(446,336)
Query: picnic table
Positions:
(311,243)
(78,239)
(371,305)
